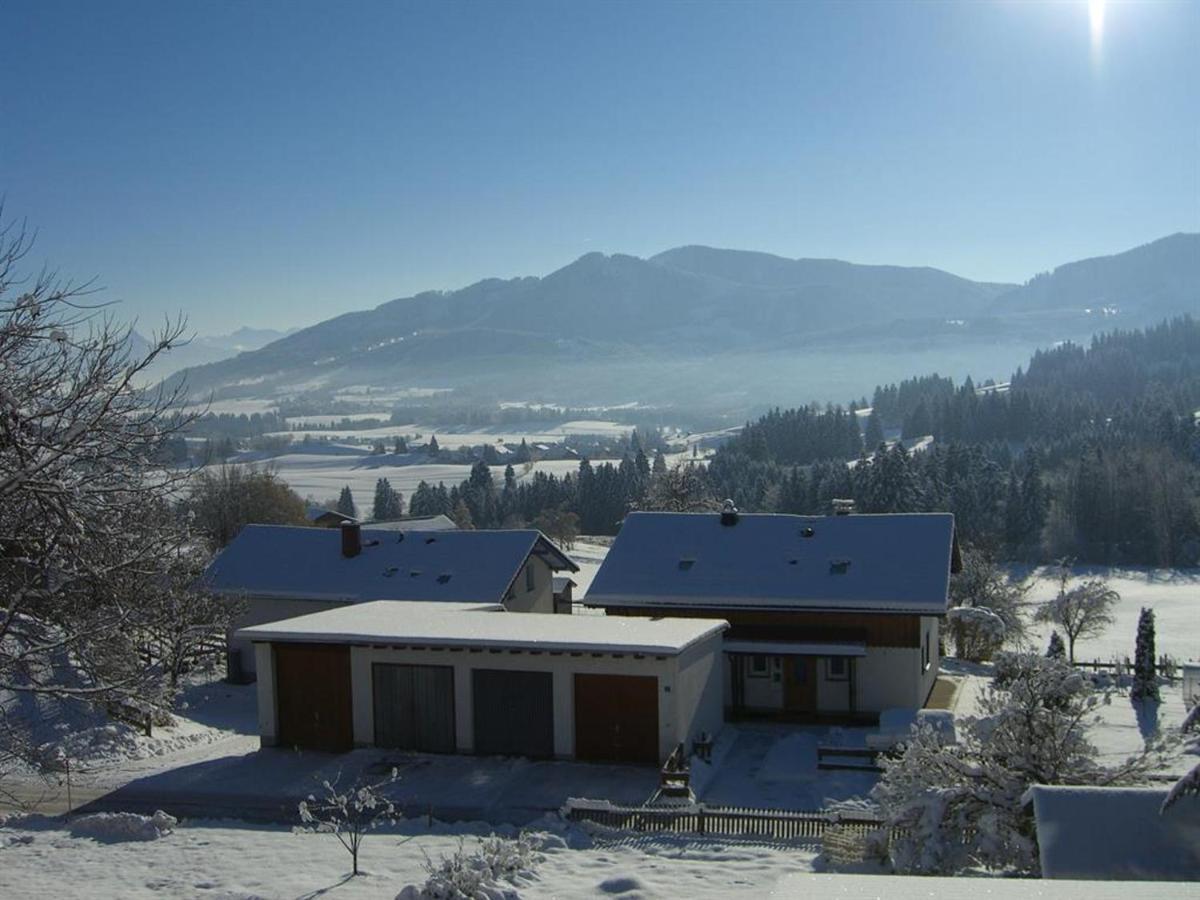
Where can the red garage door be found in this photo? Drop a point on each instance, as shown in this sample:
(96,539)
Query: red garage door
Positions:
(312,690)
(616,718)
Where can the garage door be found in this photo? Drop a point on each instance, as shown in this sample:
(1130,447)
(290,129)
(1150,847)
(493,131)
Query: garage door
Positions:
(414,707)
(312,690)
(616,718)
(514,713)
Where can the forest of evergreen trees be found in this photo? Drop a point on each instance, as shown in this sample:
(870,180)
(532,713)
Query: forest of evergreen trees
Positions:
(1089,452)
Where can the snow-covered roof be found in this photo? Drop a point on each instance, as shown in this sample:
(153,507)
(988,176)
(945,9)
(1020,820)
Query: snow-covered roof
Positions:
(1117,833)
(307,563)
(888,563)
(415,523)
(428,625)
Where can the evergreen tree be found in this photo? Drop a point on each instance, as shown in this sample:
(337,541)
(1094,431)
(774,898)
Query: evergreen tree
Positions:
(462,515)
(1145,677)
(345,503)
(433,448)
(874,432)
(388,504)
(660,462)
(1057,649)
(401,445)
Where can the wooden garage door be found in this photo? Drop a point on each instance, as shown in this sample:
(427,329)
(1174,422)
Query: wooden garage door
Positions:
(616,718)
(414,707)
(313,700)
(514,713)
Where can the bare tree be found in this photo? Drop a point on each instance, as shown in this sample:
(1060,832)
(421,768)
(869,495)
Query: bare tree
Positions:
(224,499)
(348,814)
(80,452)
(681,488)
(984,585)
(1085,610)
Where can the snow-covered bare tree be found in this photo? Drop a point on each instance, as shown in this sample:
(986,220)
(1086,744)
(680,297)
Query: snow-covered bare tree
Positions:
(1084,610)
(984,585)
(1189,785)
(80,476)
(953,807)
(224,499)
(347,813)
(680,488)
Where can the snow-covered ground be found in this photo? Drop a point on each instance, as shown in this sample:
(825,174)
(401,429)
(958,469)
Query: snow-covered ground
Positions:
(230,859)
(1173,594)
(451,439)
(323,476)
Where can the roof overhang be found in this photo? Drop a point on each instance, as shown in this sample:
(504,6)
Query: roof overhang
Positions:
(784,648)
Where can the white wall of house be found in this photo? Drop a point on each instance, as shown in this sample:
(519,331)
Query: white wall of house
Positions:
(268,728)
(533,589)
(888,677)
(764,689)
(833,694)
(689,699)
(260,611)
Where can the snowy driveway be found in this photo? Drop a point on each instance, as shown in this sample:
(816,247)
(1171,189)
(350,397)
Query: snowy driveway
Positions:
(774,766)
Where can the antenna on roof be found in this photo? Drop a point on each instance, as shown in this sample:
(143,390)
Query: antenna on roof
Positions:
(729,513)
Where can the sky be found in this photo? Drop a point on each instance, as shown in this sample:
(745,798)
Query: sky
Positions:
(276,164)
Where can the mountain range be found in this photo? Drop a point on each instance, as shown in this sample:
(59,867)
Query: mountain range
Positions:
(618,327)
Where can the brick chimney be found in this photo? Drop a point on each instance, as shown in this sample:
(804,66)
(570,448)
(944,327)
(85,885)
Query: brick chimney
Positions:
(351,539)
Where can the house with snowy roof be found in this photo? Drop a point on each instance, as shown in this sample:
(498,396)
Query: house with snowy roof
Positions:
(278,572)
(831,616)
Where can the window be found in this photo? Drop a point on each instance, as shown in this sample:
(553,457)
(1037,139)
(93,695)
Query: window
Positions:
(758,666)
(836,668)
(529,577)
(925,656)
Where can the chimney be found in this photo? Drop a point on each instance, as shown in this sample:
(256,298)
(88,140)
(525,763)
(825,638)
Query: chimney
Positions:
(729,513)
(843,507)
(351,539)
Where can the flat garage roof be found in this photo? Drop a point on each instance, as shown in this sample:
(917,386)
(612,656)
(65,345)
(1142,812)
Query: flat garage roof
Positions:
(431,624)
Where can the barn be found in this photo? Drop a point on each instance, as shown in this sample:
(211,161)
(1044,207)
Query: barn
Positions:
(425,677)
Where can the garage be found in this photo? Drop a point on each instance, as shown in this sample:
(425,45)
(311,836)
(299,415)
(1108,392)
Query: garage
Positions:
(616,718)
(514,713)
(414,707)
(314,701)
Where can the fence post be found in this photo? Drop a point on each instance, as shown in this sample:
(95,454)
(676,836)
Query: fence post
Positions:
(700,819)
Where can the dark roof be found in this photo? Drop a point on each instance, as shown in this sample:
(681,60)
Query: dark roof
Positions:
(307,563)
(890,563)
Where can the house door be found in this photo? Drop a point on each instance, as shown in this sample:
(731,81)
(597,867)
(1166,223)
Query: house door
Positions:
(800,683)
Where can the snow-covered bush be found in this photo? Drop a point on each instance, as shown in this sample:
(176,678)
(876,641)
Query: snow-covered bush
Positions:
(958,807)
(978,632)
(124,826)
(1056,649)
(484,874)
(347,814)
(1189,784)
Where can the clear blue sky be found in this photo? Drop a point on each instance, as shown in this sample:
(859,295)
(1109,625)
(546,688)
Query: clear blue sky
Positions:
(273,164)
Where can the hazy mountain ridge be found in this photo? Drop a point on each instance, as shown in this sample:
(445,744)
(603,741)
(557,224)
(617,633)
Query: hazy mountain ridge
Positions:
(680,307)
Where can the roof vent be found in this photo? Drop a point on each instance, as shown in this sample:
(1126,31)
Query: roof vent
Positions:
(839,566)
(685,564)
(443,578)
(430,540)
(729,513)
(807,531)
(843,506)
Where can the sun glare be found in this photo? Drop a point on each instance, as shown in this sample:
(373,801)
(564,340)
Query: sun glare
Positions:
(1096,23)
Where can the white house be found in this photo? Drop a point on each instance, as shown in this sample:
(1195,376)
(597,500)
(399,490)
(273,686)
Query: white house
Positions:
(831,616)
(451,678)
(278,572)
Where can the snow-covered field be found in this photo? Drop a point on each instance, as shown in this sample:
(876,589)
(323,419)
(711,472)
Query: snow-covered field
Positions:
(322,476)
(1173,594)
(451,439)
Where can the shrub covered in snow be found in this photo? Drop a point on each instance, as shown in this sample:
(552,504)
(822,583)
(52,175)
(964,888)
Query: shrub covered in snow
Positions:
(1189,785)
(958,807)
(492,872)
(124,826)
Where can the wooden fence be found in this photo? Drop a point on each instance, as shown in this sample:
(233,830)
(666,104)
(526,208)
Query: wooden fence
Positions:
(769,824)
